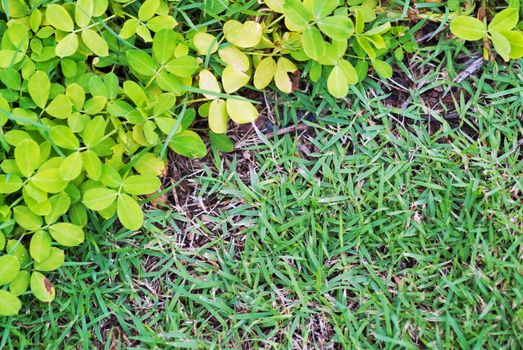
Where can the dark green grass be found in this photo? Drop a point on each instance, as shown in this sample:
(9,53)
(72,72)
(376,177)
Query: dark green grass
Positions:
(373,229)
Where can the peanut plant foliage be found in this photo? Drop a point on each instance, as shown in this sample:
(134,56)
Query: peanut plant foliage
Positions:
(95,92)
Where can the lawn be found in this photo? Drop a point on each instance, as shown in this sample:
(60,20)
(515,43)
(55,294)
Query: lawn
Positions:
(370,227)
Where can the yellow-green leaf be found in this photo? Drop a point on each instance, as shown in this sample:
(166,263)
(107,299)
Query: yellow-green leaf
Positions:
(9,304)
(467,28)
(264,72)
(501,45)
(49,180)
(95,42)
(337,83)
(515,38)
(39,87)
(67,234)
(243,35)
(59,18)
(148,9)
(234,57)
(141,62)
(27,154)
(60,107)
(40,246)
(205,43)
(99,198)
(208,82)
(9,267)
(218,116)
(10,183)
(42,288)
(129,212)
(504,20)
(141,184)
(67,46)
(241,111)
(313,43)
(55,259)
(281,75)
(83,12)
(233,79)
(71,166)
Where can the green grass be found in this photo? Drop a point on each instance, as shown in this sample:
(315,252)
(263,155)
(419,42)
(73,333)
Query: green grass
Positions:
(372,229)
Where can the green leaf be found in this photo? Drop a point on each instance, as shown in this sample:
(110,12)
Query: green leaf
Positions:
(71,166)
(9,267)
(61,202)
(60,107)
(164,44)
(17,249)
(323,8)
(381,29)
(92,165)
(141,62)
(221,142)
(337,27)
(183,67)
(49,180)
(297,13)
(149,164)
(110,177)
(515,38)
(188,144)
(95,42)
(67,234)
(53,262)
(26,218)
(148,9)
(19,285)
(67,46)
(83,12)
(40,246)
(41,287)
(313,43)
(504,21)
(337,83)
(141,184)
(467,28)
(27,156)
(62,136)
(383,69)
(135,93)
(39,88)
(501,45)
(350,72)
(365,45)
(94,131)
(9,304)
(129,212)
(59,18)
(10,183)
(99,198)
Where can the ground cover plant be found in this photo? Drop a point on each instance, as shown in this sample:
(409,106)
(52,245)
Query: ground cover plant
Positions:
(393,215)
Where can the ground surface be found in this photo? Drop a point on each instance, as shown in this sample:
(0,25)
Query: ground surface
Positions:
(390,220)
